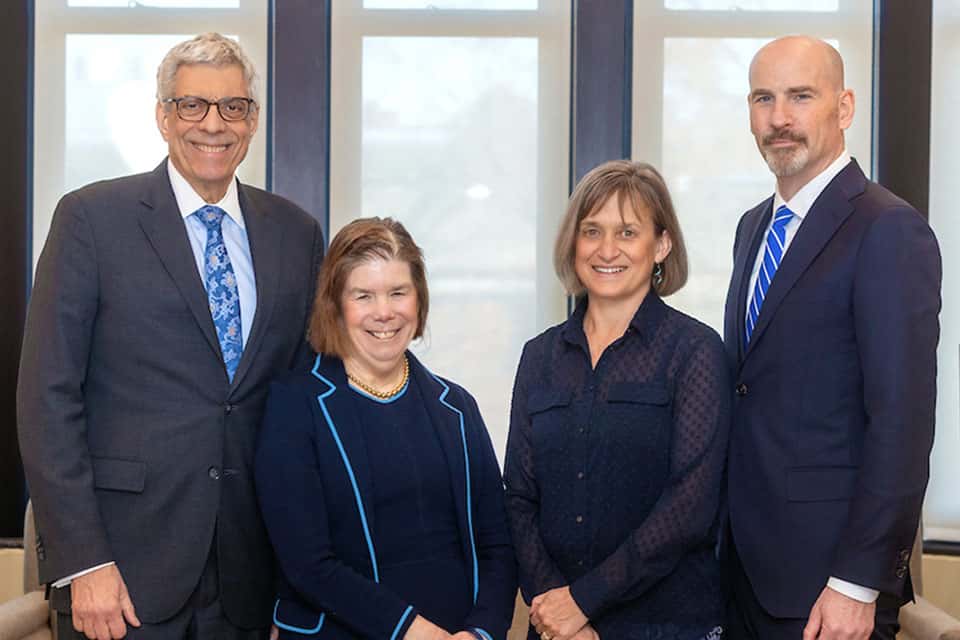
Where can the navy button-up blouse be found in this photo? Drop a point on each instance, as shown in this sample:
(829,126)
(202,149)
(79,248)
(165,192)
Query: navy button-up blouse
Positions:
(613,474)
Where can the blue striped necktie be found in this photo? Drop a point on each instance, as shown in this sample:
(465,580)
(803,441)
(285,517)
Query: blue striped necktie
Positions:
(222,292)
(772,255)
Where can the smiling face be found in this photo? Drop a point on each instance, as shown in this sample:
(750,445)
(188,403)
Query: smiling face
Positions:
(208,152)
(616,251)
(798,109)
(379,304)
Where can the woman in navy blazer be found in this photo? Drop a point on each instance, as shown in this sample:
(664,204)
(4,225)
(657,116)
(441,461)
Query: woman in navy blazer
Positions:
(377,479)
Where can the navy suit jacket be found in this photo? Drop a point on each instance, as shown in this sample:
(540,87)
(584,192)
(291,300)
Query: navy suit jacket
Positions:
(834,410)
(314,485)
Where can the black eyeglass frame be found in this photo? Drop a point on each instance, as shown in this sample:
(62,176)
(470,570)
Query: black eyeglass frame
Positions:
(251,104)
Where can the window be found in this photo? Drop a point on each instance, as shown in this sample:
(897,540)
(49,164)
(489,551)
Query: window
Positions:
(941,516)
(753,5)
(475,5)
(457,125)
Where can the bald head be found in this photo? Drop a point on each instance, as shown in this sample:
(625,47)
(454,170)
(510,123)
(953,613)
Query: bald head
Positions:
(799,108)
(812,52)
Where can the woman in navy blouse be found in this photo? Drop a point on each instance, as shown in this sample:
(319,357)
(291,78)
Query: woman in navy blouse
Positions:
(377,479)
(618,431)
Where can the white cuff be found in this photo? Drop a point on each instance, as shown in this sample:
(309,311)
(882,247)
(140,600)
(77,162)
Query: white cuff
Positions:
(854,591)
(63,582)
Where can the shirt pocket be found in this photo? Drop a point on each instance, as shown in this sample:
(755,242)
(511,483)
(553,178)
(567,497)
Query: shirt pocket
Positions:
(638,418)
(550,419)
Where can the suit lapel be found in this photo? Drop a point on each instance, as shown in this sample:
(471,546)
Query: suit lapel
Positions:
(827,214)
(754,226)
(163,225)
(337,406)
(265,237)
(447,417)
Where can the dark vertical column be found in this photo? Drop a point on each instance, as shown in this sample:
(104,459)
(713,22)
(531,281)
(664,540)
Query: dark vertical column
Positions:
(299,166)
(16,41)
(902,66)
(603,72)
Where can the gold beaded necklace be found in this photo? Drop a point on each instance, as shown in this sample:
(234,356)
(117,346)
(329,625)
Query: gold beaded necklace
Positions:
(383,395)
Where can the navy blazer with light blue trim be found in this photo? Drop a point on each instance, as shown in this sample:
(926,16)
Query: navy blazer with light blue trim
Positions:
(314,485)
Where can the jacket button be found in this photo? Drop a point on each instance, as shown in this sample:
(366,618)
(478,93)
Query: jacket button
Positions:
(901,572)
(228,408)
(579,519)
(214,473)
(741,389)
(904,554)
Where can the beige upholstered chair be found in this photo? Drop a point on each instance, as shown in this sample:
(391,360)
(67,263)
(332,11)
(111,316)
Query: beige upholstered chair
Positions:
(521,620)
(27,617)
(921,620)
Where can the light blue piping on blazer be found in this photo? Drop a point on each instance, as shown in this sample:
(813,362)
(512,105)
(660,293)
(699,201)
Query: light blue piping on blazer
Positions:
(483,634)
(396,629)
(466,464)
(346,463)
(289,627)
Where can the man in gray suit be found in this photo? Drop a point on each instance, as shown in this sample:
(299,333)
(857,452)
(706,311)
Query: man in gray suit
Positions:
(163,303)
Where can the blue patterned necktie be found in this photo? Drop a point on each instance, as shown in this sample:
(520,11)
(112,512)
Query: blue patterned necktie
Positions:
(772,256)
(222,290)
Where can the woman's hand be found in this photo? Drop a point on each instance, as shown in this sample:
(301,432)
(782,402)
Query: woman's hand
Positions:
(555,615)
(423,629)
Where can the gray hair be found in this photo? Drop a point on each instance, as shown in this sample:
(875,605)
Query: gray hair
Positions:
(206,48)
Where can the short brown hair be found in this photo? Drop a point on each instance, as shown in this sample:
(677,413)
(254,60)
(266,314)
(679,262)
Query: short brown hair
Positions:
(643,187)
(362,240)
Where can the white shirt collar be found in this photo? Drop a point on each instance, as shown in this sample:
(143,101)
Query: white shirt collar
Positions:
(188,200)
(801,202)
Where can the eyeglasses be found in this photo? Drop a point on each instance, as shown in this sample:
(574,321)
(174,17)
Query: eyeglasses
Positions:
(194,109)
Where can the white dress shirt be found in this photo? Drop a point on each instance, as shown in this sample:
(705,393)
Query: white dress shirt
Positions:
(800,204)
(234,237)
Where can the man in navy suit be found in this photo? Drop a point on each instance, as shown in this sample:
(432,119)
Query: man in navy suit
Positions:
(831,323)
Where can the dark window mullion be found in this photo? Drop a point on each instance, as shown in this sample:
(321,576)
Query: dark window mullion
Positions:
(16,41)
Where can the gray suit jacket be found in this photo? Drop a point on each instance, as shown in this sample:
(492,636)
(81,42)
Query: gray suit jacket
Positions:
(136,447)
